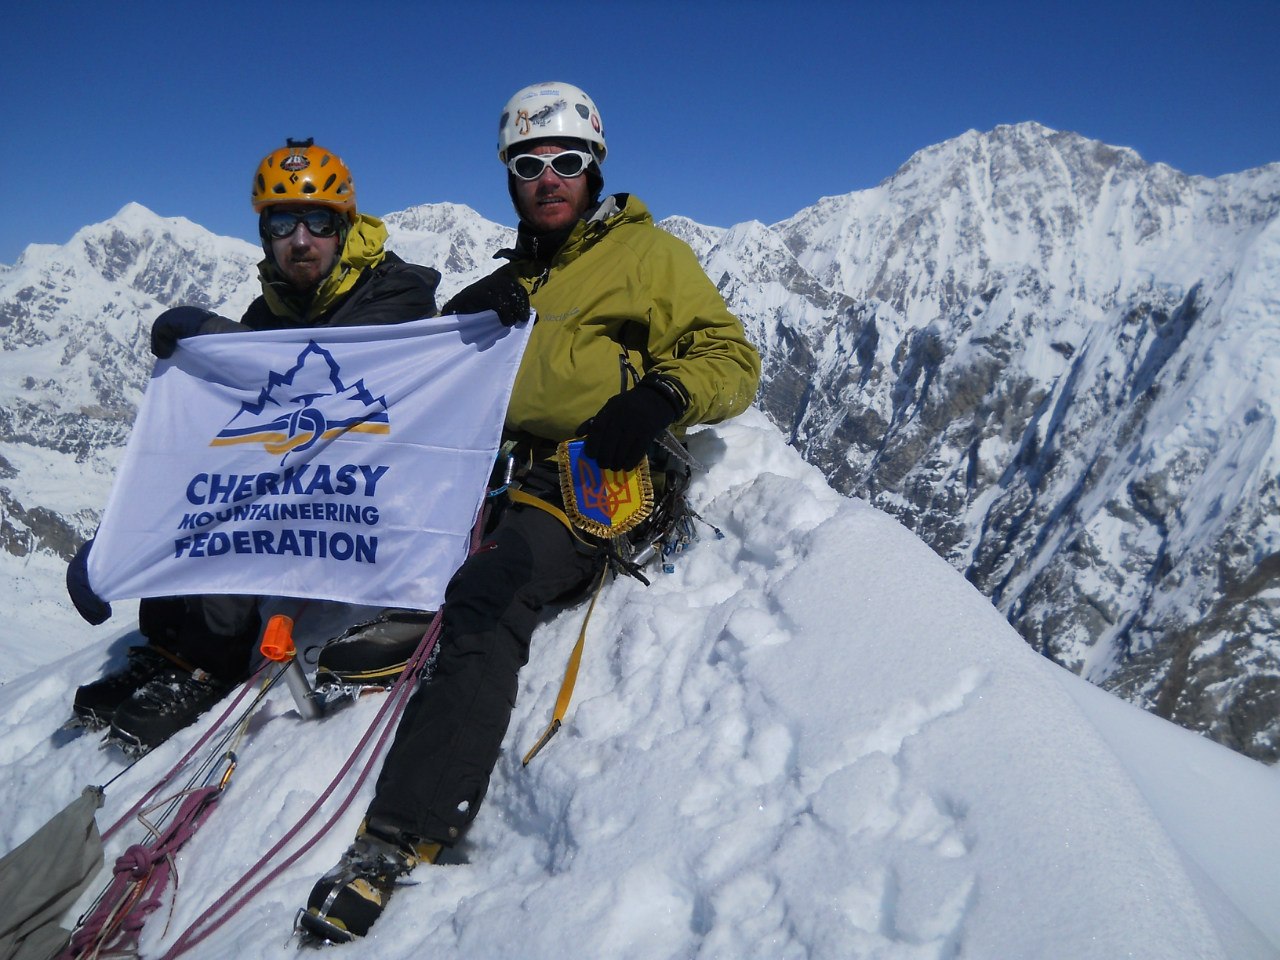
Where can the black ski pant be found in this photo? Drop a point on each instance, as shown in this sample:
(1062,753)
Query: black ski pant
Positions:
(437,771)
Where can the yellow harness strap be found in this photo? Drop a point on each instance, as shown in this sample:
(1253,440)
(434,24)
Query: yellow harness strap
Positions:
(570,677)
(640,477)
(575,658)
(529,500)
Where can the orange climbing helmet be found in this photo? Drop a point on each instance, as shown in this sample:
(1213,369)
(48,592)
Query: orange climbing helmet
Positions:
(301,172)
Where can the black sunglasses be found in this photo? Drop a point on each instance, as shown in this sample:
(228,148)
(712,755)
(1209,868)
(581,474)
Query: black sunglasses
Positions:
(568,164)
(320,223)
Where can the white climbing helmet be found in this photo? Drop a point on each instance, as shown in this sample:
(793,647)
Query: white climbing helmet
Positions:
(546,110)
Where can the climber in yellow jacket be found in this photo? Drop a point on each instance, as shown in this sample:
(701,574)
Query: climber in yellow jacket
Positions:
(631,340)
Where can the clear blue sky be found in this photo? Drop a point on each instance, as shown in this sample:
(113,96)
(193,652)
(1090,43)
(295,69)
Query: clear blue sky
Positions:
(721,111)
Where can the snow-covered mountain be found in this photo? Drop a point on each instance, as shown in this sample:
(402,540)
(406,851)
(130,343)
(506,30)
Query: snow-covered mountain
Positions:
(1053,361)
(785,748)
(450,237)
(1058,365)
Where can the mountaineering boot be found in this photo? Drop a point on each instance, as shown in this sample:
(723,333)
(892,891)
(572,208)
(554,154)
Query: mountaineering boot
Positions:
(171,700)
(95,702)
(373,653)
(347,900)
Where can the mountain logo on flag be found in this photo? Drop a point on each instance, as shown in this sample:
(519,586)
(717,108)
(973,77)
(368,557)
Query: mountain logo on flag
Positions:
(305,404)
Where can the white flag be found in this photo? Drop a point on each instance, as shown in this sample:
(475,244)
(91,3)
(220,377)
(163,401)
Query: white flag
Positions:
(344,463)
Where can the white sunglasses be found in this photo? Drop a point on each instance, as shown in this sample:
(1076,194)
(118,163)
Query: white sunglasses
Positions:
(567,164)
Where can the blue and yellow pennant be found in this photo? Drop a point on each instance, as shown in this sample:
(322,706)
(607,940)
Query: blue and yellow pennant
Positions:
(603,503)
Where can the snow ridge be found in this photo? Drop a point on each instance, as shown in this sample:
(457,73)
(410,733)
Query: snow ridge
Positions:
(785,748)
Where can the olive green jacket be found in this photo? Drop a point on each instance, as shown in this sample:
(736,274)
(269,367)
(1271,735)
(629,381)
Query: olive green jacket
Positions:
(621,287)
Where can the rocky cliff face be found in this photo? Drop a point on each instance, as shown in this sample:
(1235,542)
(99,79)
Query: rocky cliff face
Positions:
(1058,365)
(1053,361)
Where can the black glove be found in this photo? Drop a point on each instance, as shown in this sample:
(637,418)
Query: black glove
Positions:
(174,324)
(88,604)
(619,435)
(500,292)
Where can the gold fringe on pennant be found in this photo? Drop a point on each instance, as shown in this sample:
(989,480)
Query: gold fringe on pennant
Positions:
(629,492)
